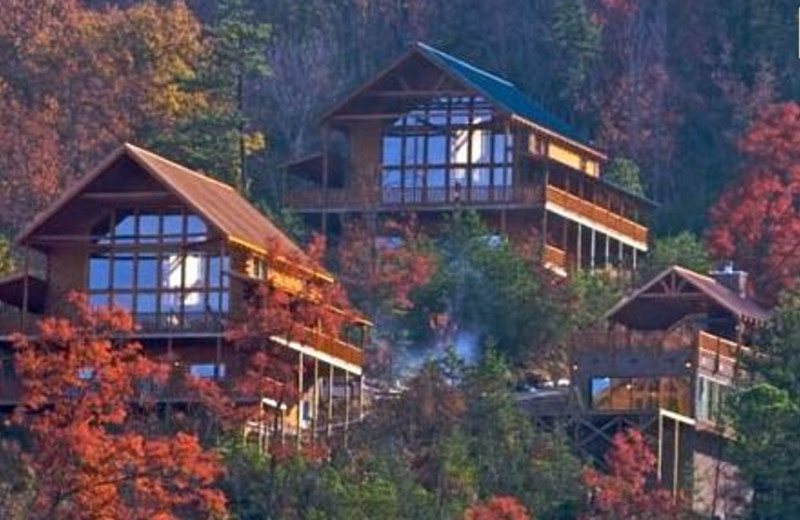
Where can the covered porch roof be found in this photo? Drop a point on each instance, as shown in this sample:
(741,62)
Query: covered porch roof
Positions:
(677,292)
(12,289)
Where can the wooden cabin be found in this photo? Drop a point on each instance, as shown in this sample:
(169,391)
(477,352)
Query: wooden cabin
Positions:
(182,252)
(665,363)
(432,134)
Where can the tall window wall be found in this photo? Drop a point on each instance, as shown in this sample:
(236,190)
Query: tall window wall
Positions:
(158,265)
(447,149)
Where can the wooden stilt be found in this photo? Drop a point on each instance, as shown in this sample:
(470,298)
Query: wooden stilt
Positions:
(329,419)
(299,398)
(315,411)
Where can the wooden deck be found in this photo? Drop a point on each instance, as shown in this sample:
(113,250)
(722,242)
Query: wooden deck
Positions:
(315,200)
(598,214)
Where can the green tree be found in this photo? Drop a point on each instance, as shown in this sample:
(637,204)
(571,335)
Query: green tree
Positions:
(6,258)
(218,138)
(487,287)
(683,249)
(577,40)
(510,457)
(594,292)
(625,174)
(766,417)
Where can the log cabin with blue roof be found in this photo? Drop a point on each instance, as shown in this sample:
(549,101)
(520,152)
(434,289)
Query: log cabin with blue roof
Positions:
(431,134)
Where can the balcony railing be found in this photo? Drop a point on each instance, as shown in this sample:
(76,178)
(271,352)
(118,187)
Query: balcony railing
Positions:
(555,257)
(314,199)
(597,214)
(333,346)
(716,345)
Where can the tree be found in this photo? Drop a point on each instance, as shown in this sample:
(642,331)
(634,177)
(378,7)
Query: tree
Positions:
(78,81)
(684,249)
(218,137)
(490,291)
(623,494)
(756,221)
(766,416)
(6,259)
(577,39)
(498,508)
(92,452)
(510,457)
(625,174)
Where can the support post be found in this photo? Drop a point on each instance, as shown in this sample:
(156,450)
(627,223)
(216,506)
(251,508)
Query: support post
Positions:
(315,412)
(660,446)
(580,244)
(299,398)
(361,398)
(676,459)
(608,250)
(347,398)
(594,246)
(634,258)
(329,420)
(346,405)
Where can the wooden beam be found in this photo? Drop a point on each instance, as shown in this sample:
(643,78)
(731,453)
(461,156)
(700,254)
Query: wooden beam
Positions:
(417,93)
(367,117)
(112,196)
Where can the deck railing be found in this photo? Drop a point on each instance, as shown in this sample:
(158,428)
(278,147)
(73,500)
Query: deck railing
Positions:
(554,256)
(315,198)
(597,214)
(716,345)
(332,346)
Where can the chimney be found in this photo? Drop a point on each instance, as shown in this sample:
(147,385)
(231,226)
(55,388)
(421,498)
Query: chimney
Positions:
(731,278)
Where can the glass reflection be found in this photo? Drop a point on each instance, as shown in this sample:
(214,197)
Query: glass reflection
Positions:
(446,142)
(641,394)
(165,282)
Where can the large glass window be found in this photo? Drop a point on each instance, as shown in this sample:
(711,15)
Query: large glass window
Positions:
(712,397)
(154,263)
(641,393)
(447,149)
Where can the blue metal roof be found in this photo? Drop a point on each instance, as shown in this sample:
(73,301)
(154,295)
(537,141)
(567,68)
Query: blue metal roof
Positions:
(501,92)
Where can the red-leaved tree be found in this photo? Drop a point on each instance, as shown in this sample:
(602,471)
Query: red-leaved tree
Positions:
(85,406)
(623,493)
(756,221)
(381,275)
(498,508)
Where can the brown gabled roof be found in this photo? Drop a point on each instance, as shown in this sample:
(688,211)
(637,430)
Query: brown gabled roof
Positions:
(222,206)
(635,310)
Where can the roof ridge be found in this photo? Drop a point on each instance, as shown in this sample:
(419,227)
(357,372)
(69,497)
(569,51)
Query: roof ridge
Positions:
(466,64)
(141,151)
(699,275)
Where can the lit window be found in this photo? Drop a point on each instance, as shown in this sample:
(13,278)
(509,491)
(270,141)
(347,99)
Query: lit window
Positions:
(207,370)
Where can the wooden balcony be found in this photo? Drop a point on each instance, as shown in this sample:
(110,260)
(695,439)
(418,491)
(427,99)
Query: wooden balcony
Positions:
(555,258)
(333,347)
(628,354)
(359,199)
(715,345)
(598,214)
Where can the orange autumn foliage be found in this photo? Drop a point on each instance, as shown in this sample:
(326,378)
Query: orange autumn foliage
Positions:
(94,454)
(498,508)
(623,493)
(756,221)
(382,274)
